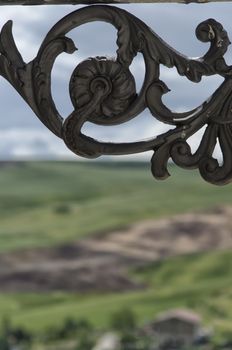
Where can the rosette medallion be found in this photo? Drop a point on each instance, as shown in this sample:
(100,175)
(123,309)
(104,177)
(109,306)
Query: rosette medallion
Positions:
(103,91)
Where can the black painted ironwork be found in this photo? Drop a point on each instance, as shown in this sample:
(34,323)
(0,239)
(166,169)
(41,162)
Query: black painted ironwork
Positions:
(88,2)
(103,91)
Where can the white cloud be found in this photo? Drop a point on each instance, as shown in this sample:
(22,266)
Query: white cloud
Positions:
(17,143)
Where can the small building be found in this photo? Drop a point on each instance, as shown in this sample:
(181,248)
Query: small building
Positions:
(175,329)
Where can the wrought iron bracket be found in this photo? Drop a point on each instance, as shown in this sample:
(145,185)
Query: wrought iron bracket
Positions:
(103,91)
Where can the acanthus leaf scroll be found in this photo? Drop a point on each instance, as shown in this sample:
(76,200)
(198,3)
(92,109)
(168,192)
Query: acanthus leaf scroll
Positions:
(103,91)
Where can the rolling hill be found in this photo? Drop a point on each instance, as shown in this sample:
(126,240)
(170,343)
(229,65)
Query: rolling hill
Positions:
(102,212)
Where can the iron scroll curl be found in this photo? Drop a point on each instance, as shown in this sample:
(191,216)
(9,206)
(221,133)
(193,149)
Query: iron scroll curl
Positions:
(103,91)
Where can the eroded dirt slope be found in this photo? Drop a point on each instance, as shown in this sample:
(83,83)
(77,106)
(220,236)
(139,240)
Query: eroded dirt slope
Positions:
(101,264)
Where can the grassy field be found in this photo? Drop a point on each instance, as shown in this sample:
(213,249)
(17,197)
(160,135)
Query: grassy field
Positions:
(201,283)
(44,203)
(49,203)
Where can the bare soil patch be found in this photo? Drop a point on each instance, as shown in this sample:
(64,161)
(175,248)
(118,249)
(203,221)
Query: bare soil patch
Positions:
(101,263)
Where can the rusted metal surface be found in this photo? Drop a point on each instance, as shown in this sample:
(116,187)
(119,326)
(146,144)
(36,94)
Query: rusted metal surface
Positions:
(103,91)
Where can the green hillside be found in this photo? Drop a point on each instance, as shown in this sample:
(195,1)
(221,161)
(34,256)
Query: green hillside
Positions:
(44,203)
(200,282)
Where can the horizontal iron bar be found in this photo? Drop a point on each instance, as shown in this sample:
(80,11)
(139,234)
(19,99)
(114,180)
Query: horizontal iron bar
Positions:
(83,2)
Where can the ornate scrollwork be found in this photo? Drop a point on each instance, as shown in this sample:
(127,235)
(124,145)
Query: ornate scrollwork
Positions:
(103,92)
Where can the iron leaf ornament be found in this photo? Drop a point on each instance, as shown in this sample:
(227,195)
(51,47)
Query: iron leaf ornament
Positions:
(103,91)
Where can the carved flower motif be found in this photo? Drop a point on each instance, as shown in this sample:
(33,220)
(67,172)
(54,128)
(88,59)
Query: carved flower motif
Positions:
(110,78)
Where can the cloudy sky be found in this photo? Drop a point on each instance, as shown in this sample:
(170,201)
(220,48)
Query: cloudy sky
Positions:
(22,136)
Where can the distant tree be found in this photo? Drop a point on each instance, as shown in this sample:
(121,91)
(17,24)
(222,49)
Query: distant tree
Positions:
(72,326)
(11,335)
(85,341)
(4,345)
(6,326)
(146,343)
(123,321)
(62,209)
(20,335)
(83,325)
(129,341)
(69,328)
